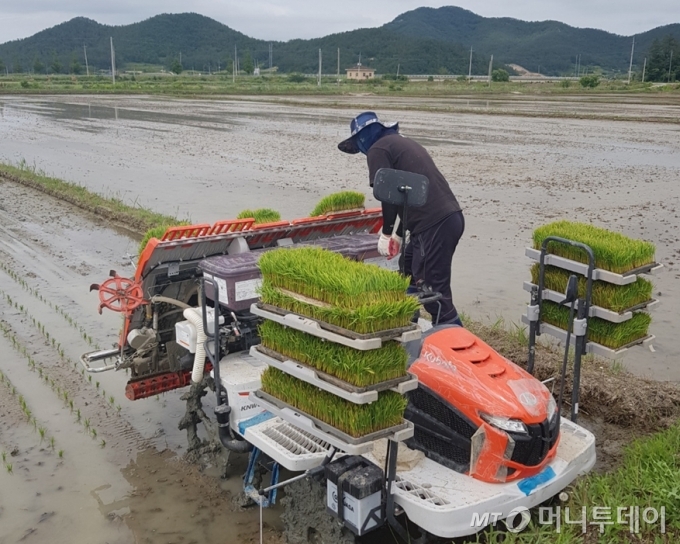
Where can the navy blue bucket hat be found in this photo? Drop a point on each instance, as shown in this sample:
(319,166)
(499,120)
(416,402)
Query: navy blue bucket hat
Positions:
(359,123)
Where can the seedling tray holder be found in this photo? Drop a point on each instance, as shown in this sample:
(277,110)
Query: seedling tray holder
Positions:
(591,347)
(327,433)
(598,274)
(595,311)
(332,333)
(326,382)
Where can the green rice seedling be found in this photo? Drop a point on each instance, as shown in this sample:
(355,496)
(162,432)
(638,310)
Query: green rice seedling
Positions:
(102,443)
(611,335)
(613,251)
(52,442)
(4,456)
(118,407)
(86,423)
(61,454)
(329,277)
(261,215)
(78,414)
(362,319)
(94,432)
(97,385)
(41,432)
(354,419)
(344,200)
(9,468)
(606,295)
(112,400)
(359,368)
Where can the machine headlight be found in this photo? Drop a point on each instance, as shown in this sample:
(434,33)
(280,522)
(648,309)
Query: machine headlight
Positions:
(552,408)
(505,424)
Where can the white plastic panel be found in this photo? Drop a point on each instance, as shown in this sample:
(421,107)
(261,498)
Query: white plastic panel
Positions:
(595,311)
(591,347)
(581,268)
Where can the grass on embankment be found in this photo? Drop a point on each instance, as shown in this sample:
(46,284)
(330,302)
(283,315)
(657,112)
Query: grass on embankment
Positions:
(135,218)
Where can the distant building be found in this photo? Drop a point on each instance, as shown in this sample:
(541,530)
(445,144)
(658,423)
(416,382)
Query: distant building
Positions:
(360,72)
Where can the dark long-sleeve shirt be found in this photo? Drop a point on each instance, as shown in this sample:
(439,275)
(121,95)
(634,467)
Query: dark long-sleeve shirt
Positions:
(400,153)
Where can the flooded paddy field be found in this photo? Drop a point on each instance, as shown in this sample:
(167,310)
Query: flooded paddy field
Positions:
(207,160)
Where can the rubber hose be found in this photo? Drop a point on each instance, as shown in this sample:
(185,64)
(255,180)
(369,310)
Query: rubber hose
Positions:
(194,317)
(175,302)
(234,444)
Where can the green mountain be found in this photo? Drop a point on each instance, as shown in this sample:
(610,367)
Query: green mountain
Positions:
(422,41)
(551,45)
(207,44)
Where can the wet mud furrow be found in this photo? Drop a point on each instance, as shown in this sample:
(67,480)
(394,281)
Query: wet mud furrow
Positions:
(118,457)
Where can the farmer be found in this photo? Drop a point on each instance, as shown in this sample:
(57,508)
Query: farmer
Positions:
(434,228)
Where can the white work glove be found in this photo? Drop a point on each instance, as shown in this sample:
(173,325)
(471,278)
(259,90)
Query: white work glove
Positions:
(384,245)
(394,246)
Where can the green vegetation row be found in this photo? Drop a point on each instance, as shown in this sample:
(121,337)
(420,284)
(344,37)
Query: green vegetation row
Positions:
(345,200)
(362,319)
(612,335)
(359,368)
(191,85)
(606,295)
(135,218)
(354,419)
(613,251)
(329,277)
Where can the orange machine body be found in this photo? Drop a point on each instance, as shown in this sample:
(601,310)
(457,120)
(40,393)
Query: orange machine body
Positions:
(511,415)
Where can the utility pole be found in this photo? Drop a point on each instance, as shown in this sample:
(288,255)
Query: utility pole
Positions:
(470,68)
(670,65)
(338,64)
(319,83)
(271,55)
(644,68)
(113,62)
(87,68)
(630,67)
(398,66)
(234,67)
(490,69)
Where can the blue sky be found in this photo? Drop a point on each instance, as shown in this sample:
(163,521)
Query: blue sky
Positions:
(288,19)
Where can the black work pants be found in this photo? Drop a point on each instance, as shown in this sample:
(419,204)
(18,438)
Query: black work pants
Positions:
(428,258)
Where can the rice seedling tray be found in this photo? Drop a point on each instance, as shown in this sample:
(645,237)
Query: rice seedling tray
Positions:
(340,388)
(596,311)
(332,333)
(327,433)
(598,273)
(591,347)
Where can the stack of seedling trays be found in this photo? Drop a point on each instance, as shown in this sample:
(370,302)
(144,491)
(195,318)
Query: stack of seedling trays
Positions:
(332,338)
(621,295)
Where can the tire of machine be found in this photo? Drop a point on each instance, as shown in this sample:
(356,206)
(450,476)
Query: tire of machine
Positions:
(305,518)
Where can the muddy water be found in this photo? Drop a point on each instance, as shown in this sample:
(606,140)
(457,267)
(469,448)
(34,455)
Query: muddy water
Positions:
(207,160)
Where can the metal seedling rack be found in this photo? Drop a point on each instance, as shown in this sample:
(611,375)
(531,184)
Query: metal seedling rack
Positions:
(583,308)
